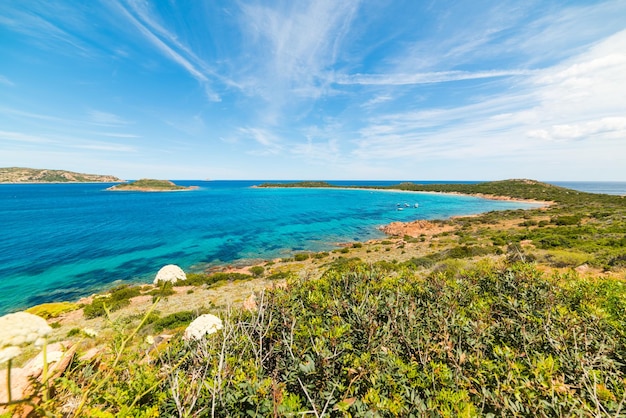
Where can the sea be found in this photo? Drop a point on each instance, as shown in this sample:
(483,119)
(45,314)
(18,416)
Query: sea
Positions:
(64,241)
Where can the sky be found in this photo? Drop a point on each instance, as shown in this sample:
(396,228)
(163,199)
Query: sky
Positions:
(322,89)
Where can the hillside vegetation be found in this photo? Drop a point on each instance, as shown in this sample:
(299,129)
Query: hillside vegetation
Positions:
(149,185)
(513,313)
(35,175)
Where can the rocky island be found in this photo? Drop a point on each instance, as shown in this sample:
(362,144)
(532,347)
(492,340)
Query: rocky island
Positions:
(150,185)
(37,175)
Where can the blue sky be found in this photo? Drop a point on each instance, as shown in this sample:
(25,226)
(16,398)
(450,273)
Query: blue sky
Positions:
(326,89)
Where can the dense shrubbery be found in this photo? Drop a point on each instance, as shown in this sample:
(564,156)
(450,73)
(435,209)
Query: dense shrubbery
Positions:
(116,299)
(199,279)
(382,341)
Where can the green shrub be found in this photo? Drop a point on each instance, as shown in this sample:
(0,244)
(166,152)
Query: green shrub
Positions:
(257,271)
(117,298)
(281,275)
(566,220)
(425,262)
(175,320)
(301,256)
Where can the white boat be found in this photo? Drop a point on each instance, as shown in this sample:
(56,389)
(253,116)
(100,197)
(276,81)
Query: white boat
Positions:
(416,205)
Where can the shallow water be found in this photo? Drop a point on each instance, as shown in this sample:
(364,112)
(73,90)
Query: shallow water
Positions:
(64,241)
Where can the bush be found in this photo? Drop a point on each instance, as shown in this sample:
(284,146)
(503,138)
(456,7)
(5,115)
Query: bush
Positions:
(257,271)
(118,297)
(174,320)
(566,220)
(301,256)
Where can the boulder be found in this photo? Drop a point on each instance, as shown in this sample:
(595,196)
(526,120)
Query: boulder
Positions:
(170,273)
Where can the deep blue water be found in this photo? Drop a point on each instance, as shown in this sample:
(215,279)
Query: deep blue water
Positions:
(64,241)
(604,187)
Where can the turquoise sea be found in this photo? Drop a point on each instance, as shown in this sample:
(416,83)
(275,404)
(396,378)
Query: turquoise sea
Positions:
(63,241)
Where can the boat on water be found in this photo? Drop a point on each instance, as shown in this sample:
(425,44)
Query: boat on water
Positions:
(417,205)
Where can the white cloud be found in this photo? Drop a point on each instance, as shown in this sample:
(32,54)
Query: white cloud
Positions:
(424,78)
(168,44)
(21,137)
(105,119)
(579,99)
(297,45)
(616,127)
(4,80)
(270,142)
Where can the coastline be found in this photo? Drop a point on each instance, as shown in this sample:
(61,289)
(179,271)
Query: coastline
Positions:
(544,203)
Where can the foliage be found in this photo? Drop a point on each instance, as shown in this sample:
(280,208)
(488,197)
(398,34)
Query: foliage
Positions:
(381,340)
(117,298)
(199,279)
(149,184)
(52,310)
(301,256)
(257,271)
(175,320)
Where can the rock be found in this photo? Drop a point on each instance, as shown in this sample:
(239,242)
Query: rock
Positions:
(170,273)
(250,303)
(58,357)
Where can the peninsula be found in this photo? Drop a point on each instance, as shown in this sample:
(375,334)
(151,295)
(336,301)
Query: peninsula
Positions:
(150,185)
(38,175)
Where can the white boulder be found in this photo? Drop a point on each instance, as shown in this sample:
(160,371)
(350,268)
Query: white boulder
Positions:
(203,325)
(170,273)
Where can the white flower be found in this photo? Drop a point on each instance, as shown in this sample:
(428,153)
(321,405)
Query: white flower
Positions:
(170,273)
(90,332)
(149,339)
(203,325)
(8,353)
(22,328)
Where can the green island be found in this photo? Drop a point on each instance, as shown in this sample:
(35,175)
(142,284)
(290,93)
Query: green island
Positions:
(37,175)
(508,313)
(149,185)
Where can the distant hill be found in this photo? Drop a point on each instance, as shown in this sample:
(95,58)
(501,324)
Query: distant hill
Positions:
(36,175)
(150,185)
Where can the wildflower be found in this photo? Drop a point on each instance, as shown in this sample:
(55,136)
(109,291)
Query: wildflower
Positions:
(149,339)
(203,325)
(21,328)
(7,353)
(170,273)
(90,332)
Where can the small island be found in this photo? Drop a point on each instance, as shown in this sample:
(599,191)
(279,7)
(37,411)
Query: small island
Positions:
(150,185)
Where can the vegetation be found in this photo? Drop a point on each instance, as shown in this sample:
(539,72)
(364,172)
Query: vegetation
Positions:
(114,300)
(35,175)
(52,310)
(149,185)
(487,319)
(298,184)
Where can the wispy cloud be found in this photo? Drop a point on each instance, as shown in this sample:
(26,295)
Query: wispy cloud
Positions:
(579,99)
(424,78)
(106,119)
(22,137)
(141,17)
(43,24)
(615,126)
(4,80)
(298,44)
(270,142)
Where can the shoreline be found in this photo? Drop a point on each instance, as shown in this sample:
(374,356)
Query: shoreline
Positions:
(428,227)
(543,203)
